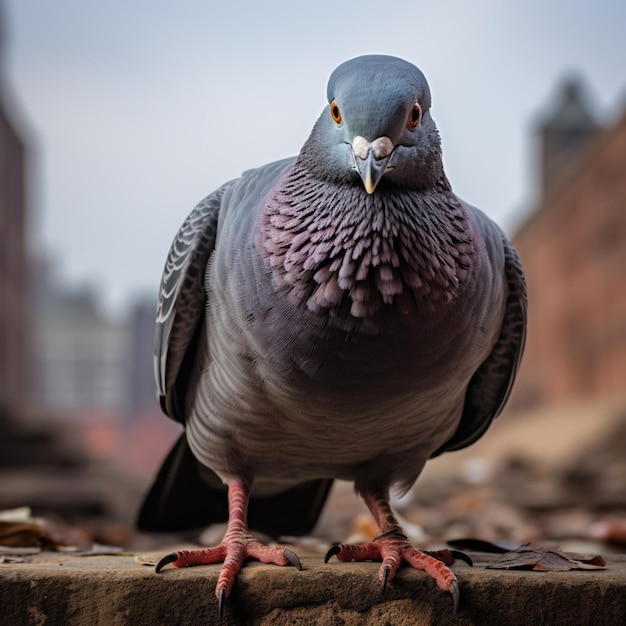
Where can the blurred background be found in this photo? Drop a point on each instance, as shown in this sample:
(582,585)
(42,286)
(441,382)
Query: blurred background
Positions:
(117,118)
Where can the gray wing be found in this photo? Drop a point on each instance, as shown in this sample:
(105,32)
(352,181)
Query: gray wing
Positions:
(182,300)
(491,384)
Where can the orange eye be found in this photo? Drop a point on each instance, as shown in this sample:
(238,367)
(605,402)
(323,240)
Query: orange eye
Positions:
(335,113)
(415,116)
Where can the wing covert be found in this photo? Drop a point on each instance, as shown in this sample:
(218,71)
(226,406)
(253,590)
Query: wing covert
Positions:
(491,384)
(182,300)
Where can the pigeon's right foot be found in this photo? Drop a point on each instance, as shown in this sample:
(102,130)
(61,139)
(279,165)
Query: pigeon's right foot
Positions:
(393,548)
(236,546)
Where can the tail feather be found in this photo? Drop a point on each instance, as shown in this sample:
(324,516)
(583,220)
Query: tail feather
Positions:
(185,496)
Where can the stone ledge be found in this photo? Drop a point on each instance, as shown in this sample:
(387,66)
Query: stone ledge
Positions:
(56,589)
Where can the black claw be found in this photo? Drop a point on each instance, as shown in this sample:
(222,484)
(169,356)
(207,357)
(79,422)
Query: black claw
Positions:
(385,578)
(292,557)
(332,552)
(457,554)
(168,558)
(456,596)
(220,603)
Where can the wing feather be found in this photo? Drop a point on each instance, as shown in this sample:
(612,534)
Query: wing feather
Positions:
(490,386)
(182,299)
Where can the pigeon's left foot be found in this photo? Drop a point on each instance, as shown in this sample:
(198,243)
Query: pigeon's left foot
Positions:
(392,547)
(236,546)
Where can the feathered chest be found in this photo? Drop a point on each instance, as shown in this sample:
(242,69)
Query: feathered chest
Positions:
(338,250)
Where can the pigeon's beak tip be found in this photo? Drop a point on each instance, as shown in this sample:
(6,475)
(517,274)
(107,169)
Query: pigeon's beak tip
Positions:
(369,183)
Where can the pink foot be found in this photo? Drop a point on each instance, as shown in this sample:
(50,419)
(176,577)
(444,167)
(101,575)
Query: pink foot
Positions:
(236,546)
(393,549)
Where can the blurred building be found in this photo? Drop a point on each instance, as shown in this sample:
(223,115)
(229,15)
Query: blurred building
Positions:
(42,463)
(14,289)
(565,133)
(141,390)
(80,355)
(573,247)
(87,362)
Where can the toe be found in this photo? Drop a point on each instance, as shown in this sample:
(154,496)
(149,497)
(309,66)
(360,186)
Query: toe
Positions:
(168,558)
(455,590)
(457,554)
(385,578)
(292,557)
(334,551)
(221,598)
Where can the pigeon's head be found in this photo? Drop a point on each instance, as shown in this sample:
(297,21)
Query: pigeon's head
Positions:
(377,126)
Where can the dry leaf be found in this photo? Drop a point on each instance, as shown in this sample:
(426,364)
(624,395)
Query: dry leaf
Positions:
(149,558)
(11,559)
(11,551)
(547,559)
(21,532)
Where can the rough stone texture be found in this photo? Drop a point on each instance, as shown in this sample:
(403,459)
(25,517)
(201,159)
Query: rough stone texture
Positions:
(59,589)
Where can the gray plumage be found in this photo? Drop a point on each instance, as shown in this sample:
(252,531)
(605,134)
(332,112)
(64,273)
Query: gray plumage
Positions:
(341,314)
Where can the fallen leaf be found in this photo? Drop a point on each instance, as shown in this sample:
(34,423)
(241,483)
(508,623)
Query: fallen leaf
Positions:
(13,551)
(149,558)
(11,559)
(546,559)
(21,533)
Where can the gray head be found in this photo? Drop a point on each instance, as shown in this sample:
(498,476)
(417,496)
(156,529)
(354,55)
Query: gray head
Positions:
(377,126)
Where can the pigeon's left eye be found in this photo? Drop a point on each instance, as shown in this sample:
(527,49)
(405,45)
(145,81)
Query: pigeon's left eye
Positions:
(335,113)
(415,116)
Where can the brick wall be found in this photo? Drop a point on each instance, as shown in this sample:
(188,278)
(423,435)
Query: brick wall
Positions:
(13,270)
(574,253)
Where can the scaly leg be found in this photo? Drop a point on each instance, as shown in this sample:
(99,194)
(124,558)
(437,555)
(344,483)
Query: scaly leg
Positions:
(392,547)
(237,545)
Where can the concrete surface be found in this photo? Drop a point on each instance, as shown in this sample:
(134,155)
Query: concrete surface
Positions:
(56,589)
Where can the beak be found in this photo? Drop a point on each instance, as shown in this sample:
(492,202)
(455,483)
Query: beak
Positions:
(370,160)
(371,170)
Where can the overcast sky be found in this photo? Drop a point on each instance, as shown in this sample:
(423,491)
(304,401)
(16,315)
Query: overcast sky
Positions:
(137,109)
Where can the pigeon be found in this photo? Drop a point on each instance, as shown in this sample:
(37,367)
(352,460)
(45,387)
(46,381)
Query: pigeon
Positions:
(341,314)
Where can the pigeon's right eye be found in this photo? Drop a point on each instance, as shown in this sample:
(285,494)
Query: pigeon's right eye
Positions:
(415,116)
(335,113)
